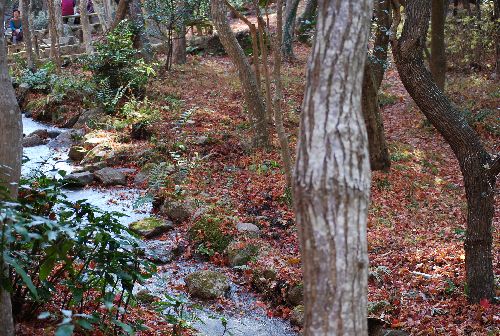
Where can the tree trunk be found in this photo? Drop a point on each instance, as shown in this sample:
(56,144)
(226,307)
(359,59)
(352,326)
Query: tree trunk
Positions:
(478,169)
(278,97)
(332,182)
(438,56)
(289,29)
(309,13)
(141,39)
(30,57)
(121,13)
(58,17)
(381,43)
(86,35)
(54,36)
(10,159)
(251,92)
(179,51)
(104,19)
(379,154)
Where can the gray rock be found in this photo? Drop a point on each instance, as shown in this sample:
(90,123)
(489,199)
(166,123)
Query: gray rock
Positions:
(53,133)
(177,211)
(110,176)
(42,133)
(100,153)
(66,139)
(248,228)
(77,153)
(127,171)
(159,252)
(240,255)
(263,280)
(70,122)
(90,168)
(295,295)
(32,141)
(297,316)
(151,227)
(78,180)
(207,284)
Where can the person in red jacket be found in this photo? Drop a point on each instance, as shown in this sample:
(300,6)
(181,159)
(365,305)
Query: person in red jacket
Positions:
(67,8)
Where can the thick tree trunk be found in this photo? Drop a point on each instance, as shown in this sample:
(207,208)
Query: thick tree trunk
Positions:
(30,57)
(332,182)
(309,14)
(179,52)
(58,17)
(251,91)
(289,29)
(438,56)
(86,35)
(10,159)
(478,169)
(379,154)
(141,39)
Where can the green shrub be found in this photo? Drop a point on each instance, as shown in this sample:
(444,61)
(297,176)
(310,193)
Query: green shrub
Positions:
(117,68)
(68,256)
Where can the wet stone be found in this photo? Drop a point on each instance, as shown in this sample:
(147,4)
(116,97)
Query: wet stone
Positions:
(78,180)
(110,176)
(151,227)
(207,285)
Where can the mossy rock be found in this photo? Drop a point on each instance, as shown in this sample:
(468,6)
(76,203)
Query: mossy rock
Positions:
(297,316)
(150,227)
(207,285)
(263,280)
(240,255)
(144,296)
(295,295)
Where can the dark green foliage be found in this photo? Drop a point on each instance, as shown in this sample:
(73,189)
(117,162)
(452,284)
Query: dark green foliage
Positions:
(68,254)
(117,68)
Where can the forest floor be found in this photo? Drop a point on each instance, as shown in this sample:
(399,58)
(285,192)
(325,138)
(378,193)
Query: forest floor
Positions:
(417,215)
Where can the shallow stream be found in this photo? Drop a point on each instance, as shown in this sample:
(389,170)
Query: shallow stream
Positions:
(243,317)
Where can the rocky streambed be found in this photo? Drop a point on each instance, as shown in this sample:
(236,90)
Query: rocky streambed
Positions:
(223,307)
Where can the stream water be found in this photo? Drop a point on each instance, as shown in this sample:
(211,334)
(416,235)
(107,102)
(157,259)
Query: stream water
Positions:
(243,317)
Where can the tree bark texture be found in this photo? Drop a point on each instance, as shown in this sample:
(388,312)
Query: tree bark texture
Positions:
(54,36)
(104,18)
(438,56)
(496,11)
(141,39)
(478,169)
(86,35)
(278,98)
(179,52)
(289,29)
(381,43)
(309,13)
(121,13)
(379,153)
(251,91)
(332,179)
(10,158)
(30,57)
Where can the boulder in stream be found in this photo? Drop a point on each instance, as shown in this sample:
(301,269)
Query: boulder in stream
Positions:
(151,227)
(110,176)
(207,285)
(78,180)
(33,140)
(177,211)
